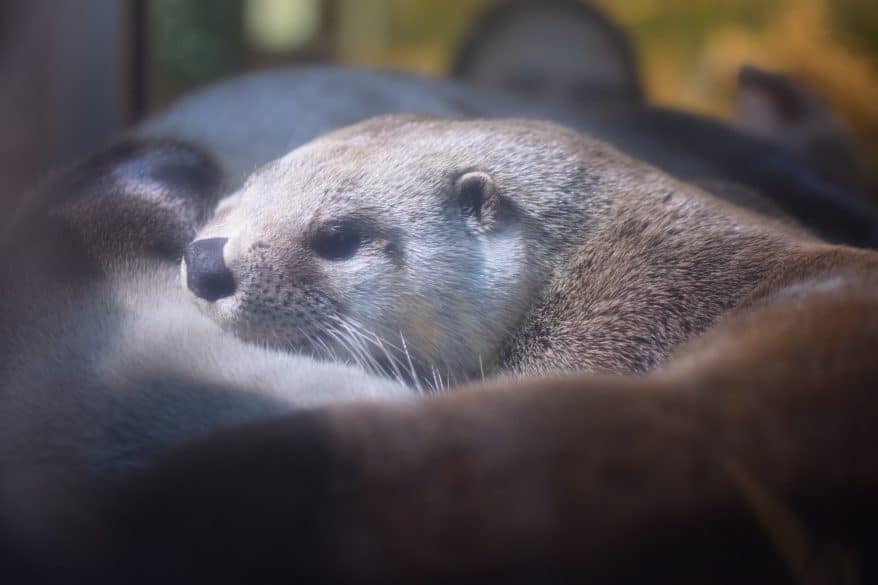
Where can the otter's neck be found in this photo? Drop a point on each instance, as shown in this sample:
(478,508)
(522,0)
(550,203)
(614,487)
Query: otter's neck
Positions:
(657,269)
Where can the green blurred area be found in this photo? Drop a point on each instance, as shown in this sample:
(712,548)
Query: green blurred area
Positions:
(194,42)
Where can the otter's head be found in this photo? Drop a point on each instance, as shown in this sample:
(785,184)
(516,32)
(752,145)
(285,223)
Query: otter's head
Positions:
(402,243)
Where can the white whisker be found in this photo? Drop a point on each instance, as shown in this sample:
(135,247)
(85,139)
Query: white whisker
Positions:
(408,356)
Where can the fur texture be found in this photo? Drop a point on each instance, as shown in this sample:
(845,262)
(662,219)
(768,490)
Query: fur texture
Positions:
(575,258)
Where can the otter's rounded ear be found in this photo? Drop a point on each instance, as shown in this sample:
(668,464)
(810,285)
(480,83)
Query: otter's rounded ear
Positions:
(477,195)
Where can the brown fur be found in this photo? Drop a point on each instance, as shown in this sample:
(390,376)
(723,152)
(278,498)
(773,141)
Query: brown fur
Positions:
(608,478)
(660,271)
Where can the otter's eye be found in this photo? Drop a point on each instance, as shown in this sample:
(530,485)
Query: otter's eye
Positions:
(336,241)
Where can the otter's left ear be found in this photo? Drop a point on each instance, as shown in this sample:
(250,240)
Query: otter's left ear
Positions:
(478,198)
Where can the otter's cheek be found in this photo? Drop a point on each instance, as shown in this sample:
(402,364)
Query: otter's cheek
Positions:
(424,331)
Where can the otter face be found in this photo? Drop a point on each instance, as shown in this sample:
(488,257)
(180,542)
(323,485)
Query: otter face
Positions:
(366,248)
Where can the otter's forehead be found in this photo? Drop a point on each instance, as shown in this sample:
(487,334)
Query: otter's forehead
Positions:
(439,140)
(406,164)
(330,173)
(396,146)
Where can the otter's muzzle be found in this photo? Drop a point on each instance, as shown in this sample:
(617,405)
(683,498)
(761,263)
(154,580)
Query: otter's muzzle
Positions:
(206,273)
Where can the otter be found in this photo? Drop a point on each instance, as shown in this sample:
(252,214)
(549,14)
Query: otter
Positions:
(768,415)
(464,248)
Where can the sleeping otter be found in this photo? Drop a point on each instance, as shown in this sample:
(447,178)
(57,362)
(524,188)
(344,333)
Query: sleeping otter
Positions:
(746,456)
(458,248)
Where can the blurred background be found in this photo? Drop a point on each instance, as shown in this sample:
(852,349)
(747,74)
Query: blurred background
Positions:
(75,73)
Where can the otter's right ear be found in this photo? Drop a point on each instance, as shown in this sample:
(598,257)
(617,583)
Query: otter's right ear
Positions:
(478,198)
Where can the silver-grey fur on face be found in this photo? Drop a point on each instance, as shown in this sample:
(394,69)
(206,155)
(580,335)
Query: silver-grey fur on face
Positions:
(428,274)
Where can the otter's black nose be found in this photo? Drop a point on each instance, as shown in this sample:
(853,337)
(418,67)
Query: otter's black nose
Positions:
(206,273)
